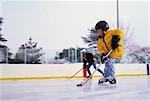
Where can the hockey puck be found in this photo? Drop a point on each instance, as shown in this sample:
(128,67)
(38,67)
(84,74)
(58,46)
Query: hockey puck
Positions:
(78,85)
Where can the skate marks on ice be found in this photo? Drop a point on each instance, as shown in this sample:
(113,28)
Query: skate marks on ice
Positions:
(129,89)
(126,89)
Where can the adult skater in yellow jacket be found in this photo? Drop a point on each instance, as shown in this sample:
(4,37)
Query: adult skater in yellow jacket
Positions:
(109,40)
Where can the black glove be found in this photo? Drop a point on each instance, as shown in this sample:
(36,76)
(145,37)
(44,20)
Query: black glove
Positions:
(114,42)
(104,58)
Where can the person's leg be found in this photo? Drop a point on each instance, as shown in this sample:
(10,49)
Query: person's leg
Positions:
(84,64)
(106,75)
(94,65)
(111,70)
(88,68)
(106,71)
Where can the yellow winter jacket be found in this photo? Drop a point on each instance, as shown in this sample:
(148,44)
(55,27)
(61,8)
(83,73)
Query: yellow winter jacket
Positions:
(104,44)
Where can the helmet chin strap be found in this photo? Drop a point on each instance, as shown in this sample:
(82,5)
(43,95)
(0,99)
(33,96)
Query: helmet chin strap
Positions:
(102,35)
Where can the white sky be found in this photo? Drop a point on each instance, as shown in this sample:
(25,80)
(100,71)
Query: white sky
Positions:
(59,24)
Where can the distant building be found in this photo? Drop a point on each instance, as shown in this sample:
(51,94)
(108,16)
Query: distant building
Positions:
(72,55)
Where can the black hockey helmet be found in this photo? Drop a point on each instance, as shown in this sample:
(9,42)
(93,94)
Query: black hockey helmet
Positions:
(102,25)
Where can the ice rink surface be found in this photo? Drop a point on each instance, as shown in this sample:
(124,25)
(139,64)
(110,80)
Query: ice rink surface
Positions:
(126,89)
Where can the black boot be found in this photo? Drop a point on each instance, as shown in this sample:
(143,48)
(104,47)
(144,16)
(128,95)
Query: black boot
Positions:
(102,80)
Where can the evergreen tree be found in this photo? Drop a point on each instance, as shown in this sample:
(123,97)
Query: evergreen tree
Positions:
(29,53)
(5,55)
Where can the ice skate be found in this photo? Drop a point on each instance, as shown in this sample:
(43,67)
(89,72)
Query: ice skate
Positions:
(102,80)
(112,81)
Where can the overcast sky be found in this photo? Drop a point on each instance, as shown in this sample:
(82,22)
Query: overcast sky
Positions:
(59,24)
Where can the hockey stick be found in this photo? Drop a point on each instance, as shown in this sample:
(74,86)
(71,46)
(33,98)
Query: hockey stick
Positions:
(77,71)
(86,80)
(74,74)
(108,53)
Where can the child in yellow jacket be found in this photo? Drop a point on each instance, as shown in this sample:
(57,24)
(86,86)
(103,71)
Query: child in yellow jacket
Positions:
(109,40)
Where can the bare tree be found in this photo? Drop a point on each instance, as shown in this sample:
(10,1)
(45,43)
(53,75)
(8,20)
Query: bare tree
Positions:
(140,55)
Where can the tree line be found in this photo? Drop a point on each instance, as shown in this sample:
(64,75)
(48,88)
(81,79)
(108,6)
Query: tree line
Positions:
(28,53)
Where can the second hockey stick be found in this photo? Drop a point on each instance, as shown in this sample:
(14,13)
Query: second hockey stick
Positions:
(86,80)
(75,74)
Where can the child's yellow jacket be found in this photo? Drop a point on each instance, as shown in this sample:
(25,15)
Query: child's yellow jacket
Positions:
(104,44)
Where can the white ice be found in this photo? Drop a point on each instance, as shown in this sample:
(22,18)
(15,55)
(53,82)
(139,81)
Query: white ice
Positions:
(126,89)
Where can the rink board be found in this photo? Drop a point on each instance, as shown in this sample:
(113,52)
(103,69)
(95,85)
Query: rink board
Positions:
(54,71)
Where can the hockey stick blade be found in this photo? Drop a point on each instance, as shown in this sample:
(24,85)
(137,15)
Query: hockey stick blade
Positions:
(79,85)
(87,79)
